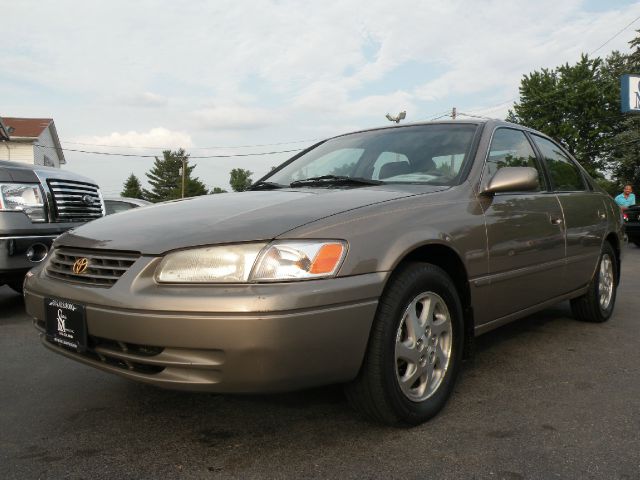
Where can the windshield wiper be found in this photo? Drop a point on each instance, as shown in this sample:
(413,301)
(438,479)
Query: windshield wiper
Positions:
(334,180)
(265,186)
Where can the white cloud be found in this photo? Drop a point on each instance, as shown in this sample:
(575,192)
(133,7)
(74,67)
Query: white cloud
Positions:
(265,71)
(146,99)
(234,117)
(156,138)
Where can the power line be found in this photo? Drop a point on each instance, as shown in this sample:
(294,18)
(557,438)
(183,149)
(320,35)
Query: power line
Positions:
(553,93)
(440,115)
(213,147)
(627,26)
(113,154)
(473,116)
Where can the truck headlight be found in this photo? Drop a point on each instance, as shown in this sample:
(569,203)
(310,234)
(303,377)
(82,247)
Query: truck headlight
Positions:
(25,197)
(253,262)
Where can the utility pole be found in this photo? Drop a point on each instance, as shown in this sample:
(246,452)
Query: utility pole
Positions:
(184,168)
(453,113)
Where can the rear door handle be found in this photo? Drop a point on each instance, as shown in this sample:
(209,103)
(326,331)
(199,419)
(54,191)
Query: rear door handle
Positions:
(555,220)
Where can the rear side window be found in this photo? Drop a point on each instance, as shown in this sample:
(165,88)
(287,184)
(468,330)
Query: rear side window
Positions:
(565,175)
(511,148)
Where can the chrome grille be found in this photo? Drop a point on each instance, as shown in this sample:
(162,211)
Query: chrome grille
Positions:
(103,268)
(75,201)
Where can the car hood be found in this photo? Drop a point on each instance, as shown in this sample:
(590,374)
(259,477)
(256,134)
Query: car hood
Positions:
(225,218)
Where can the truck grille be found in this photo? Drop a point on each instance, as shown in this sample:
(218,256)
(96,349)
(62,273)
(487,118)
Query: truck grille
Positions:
(103,269)
(75,201)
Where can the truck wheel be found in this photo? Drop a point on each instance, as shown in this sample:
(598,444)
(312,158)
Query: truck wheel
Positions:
(597,304)
(415,349)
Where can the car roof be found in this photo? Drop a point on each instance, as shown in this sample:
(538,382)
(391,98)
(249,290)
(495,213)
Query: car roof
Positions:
(490,122)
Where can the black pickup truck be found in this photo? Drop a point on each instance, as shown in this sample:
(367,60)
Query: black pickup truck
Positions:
(36,205)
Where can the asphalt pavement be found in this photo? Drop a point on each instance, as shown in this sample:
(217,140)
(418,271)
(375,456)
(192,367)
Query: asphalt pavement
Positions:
(545,397)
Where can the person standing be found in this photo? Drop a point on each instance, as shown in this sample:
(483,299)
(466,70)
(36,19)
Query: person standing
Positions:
(626,198)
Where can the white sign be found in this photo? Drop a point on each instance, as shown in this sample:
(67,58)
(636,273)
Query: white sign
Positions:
(630,93)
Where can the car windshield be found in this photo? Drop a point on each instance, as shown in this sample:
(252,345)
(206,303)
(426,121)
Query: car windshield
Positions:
(426,154)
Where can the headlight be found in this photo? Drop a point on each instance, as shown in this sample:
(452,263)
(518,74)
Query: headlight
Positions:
(25,197)
(253,262)
(299,260)
(223,264)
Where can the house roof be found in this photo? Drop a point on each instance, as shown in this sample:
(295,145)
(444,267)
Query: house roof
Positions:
(33,128)
(27,127)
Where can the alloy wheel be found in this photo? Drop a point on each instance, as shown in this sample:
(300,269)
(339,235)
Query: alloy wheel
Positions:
(423,346)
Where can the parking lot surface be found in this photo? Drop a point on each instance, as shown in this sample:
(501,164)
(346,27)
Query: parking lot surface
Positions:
(544,397)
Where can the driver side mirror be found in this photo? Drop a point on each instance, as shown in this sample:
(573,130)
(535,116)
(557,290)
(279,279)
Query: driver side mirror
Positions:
(513,179)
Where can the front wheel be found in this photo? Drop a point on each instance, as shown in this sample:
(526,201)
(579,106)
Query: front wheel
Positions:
(597,304)
(414,351)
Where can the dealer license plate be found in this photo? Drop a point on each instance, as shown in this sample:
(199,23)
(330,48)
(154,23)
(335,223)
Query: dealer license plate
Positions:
(66,324)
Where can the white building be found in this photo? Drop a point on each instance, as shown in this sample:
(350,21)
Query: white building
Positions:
(32,140)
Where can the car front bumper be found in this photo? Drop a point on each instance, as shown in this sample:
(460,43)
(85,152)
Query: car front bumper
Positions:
(18,234)
(227,339)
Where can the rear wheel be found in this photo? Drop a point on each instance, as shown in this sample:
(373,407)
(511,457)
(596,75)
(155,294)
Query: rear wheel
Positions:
(414,351)
(597,304)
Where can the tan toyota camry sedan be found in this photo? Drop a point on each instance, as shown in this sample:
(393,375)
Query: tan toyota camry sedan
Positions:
(370,259)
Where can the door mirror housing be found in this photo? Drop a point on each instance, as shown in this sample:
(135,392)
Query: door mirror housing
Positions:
(513,179)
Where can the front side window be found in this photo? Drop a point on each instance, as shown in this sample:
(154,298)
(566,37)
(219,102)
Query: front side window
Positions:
(511,148)
(565,175)
(425,154)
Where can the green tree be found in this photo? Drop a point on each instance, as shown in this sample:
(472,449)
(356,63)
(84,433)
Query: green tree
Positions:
(217,190)
(626,165)
(634,56)
(132,188)
(240,179)
(577,105)
(165,178)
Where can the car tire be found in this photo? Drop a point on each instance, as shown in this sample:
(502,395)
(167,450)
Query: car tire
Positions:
(413,356)
(637,242)
(597,304)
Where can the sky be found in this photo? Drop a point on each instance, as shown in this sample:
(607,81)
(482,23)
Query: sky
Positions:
(255,77)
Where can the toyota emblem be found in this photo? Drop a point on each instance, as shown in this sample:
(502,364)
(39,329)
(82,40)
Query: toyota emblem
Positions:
(80,266)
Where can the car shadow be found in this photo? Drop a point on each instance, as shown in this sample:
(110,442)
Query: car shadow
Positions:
(532,324)
(11,306)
